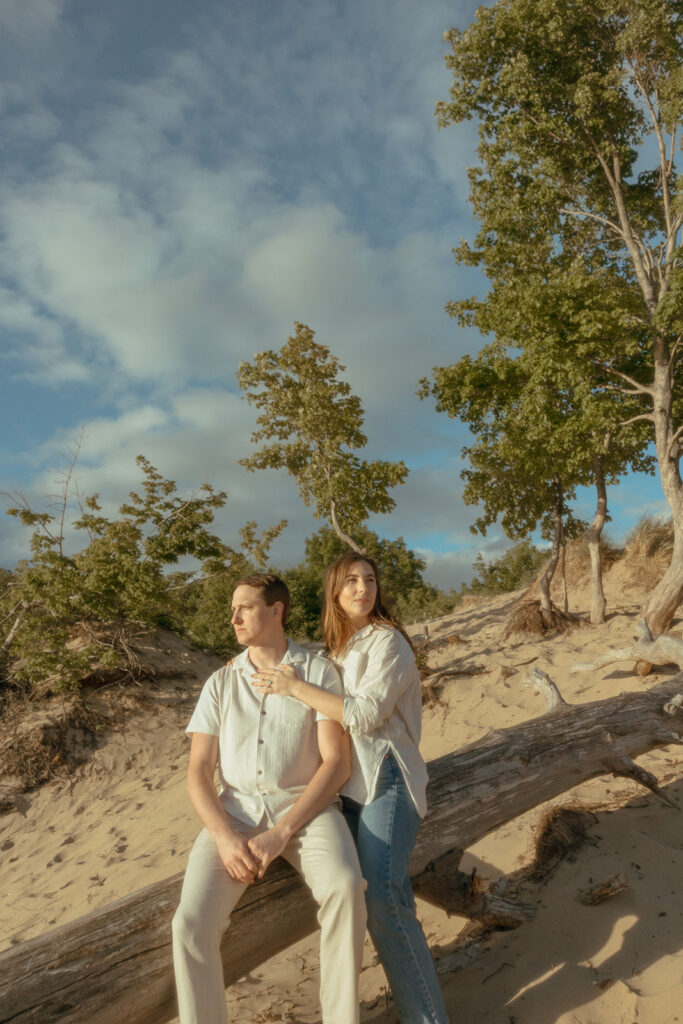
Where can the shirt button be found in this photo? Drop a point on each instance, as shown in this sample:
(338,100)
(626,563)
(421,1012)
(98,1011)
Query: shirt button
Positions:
(259,772)
(263,712)
(260,741)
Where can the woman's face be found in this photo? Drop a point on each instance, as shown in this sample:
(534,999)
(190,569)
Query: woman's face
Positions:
(358,593)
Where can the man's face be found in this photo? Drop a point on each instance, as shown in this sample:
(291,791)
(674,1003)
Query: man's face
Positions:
(253,620)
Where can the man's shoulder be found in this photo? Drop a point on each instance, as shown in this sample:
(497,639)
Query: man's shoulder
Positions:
(300,652)
(319,669)
(226,674)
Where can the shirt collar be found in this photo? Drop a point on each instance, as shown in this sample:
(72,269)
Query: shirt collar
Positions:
(361,633)
(294,655)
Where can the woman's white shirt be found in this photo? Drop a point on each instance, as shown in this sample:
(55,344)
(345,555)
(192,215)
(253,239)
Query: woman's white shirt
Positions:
(382,711)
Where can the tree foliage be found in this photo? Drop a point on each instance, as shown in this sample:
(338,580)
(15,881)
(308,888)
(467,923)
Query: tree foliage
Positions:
(403,585)
(121,574)
(314,425)
(580,207)
(515,568)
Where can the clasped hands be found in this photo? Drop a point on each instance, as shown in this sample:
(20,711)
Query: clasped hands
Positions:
(247,859)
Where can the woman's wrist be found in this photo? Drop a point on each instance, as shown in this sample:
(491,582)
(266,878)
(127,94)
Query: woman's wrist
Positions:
(298,690)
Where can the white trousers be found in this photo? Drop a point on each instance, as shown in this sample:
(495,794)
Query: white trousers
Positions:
(324,854)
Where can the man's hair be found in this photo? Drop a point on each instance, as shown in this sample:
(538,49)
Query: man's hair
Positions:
(272,588)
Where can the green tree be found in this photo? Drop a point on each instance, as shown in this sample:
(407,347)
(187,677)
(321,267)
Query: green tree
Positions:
(578,107)
(201,605)
(515,568)
(119,575)
(314,424)
(541,427)
(403,585)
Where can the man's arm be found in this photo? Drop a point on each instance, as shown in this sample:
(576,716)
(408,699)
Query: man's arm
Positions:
(335,769)
(232,847)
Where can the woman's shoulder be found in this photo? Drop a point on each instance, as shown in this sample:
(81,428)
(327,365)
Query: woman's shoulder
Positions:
(388,638)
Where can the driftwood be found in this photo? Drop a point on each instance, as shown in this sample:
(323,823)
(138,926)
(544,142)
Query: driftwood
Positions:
(667,649)
(114,966)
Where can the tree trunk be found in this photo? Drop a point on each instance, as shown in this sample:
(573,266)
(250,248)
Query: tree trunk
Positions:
(563,577)
(114,966)
(546,578)
(340,533)
(598,602)
(663,602)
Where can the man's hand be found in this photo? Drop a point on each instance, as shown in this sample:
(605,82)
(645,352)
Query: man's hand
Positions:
(237,858)
(267,846)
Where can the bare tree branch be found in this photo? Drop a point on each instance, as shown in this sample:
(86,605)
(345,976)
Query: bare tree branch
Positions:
(644,417)
(639,389)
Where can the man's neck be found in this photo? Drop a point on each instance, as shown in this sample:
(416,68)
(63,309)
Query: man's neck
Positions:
(265,656)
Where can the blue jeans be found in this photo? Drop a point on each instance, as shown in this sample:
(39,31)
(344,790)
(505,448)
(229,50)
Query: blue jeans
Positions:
(384,832)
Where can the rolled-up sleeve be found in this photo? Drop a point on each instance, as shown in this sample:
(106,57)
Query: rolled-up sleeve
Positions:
(388,673)
(327,678)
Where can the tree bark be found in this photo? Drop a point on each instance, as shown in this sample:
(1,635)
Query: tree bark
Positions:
(598,602)
(664,601)
(546,578)
(114,966)
(563,577)
(340,533)
(662,604)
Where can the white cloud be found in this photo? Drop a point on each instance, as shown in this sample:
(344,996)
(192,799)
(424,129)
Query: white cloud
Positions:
(252,166)
(448,569)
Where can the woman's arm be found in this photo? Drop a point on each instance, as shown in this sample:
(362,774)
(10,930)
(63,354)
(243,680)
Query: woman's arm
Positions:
(389,672)
(285,681)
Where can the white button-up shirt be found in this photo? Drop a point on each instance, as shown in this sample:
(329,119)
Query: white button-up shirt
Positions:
(382,711)
(268,748)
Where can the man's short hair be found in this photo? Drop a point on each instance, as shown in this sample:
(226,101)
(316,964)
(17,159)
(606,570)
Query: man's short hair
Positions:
(272,588)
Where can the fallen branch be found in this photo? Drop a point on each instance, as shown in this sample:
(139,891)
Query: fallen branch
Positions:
(612,886)
(114,965)
(665,650)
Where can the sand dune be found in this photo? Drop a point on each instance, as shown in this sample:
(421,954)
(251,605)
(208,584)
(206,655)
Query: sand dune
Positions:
(123,820)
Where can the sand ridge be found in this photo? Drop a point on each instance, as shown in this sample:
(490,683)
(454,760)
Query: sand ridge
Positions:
(124,820)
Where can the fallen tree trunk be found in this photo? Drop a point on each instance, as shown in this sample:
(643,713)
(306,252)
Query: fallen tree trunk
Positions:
(114,966)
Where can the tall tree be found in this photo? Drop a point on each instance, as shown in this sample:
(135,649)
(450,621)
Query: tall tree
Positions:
(542,426)
(314,422)
(579,106)
(527,457)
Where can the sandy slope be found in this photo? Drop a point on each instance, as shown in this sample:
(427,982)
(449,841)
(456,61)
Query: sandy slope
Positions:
(125,821)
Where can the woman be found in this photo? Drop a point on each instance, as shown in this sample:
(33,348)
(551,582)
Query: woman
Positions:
(384,799)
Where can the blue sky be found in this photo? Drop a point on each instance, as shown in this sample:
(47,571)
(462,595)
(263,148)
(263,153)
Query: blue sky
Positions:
(179,184)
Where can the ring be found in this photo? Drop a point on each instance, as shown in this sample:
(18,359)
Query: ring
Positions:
(270,682)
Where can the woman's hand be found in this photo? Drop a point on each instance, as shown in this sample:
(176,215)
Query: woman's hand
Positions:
(281,680)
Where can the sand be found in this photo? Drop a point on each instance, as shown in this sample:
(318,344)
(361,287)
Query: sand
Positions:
(124,820)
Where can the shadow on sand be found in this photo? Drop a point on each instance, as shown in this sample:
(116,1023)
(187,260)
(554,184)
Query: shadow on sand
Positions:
(572,954)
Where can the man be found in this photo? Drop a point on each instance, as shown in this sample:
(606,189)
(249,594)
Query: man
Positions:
(280,765)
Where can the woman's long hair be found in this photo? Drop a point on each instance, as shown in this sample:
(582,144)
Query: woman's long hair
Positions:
(337,629)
